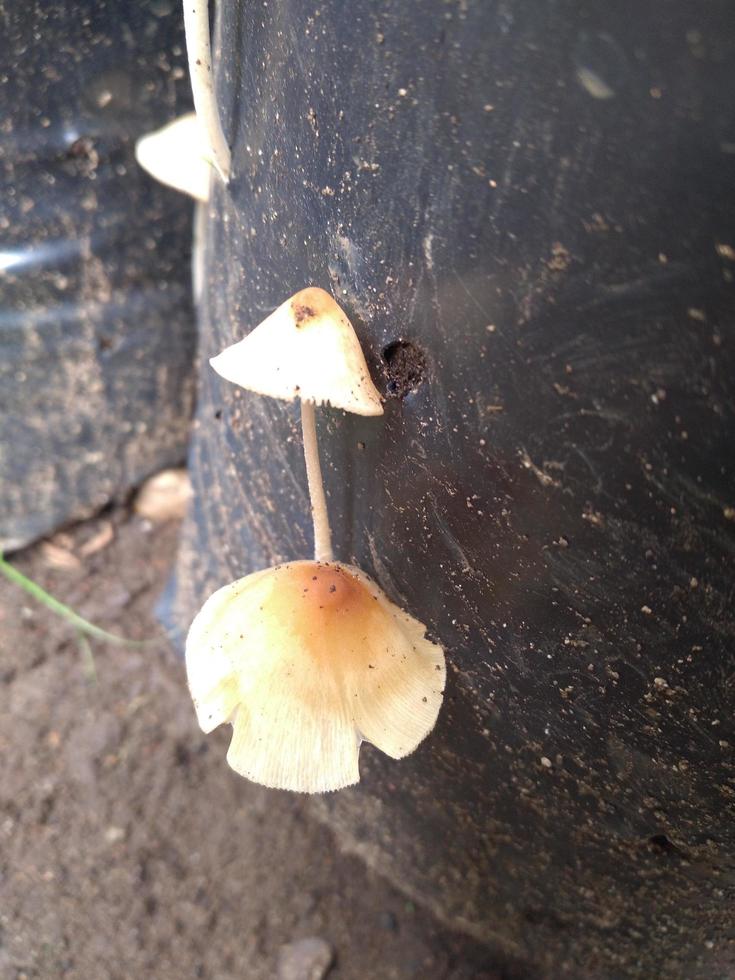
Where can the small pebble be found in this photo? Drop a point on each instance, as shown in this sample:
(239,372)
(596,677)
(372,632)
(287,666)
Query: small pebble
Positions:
(305,959)
(164,497)
(388,921)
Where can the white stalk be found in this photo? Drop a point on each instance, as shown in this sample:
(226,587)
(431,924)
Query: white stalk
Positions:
(201,209)
(319,515)
(199,52)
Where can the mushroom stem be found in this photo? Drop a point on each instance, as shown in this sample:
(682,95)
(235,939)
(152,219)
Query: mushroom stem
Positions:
(199,52)
(319,515)
(197,252)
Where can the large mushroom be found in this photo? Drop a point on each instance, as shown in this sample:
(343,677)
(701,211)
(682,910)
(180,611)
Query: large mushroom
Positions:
(308,659)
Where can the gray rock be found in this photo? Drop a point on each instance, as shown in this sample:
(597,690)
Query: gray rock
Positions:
(305,959)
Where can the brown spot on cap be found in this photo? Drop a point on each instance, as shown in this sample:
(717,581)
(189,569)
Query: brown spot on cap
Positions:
(303,313)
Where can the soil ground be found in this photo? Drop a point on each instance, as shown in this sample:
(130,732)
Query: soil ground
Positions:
(127,846)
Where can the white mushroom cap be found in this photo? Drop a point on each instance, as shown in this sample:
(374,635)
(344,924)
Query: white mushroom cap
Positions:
(306,660)
(306,348)
(178,155)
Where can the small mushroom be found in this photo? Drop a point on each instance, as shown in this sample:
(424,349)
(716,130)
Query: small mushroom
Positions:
(177,155)
(199,53)
(306,348)
(183,153)
(310,658)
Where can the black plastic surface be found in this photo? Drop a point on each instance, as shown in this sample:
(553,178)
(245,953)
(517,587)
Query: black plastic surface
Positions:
(540,197)
(96,328)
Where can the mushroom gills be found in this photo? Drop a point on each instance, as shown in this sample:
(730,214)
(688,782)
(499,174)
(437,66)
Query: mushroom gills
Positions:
(306,660)
(306,348)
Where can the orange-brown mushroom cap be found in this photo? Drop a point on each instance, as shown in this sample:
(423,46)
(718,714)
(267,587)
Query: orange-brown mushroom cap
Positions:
(306,660)
(306,348)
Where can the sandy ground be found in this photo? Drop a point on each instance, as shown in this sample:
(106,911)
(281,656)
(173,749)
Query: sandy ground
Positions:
(127,847)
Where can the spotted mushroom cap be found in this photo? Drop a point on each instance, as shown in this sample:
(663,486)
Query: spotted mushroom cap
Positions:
(178,155)
(306,660)
(306,348)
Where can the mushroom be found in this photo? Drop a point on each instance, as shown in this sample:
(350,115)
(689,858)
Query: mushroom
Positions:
(199,53)
(306,348)
(310,658)
(306,660)
(182,153)
(177,155)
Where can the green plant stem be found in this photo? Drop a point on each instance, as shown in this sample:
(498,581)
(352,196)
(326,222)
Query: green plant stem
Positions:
(89,666)
(77,621)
